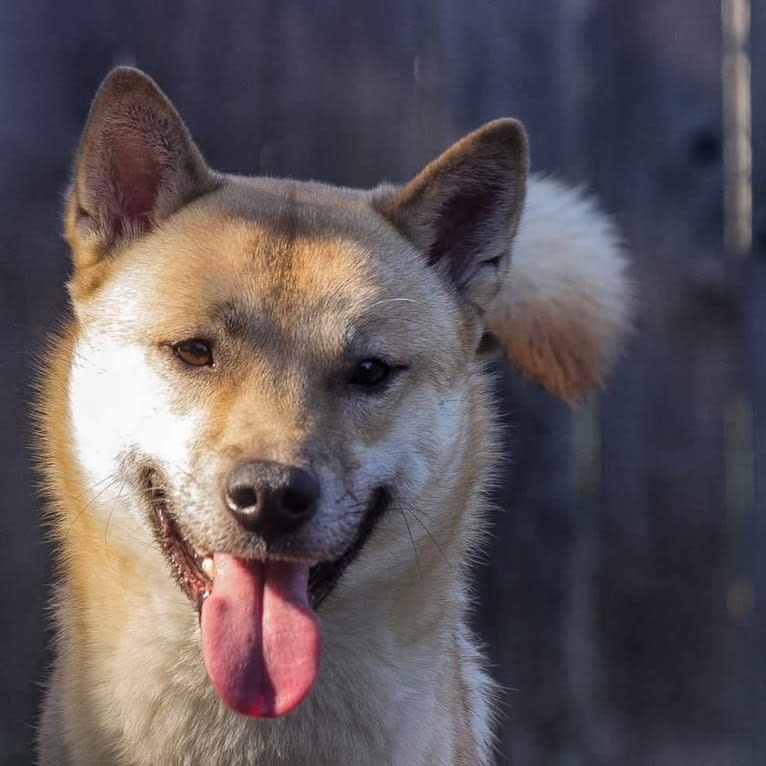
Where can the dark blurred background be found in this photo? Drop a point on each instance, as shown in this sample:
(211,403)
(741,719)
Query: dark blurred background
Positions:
(623,600)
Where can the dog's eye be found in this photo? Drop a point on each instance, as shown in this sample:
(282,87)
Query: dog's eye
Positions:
(370,372)
(194,352)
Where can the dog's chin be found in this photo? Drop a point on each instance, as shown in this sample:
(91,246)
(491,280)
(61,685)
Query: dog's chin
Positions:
(193,568)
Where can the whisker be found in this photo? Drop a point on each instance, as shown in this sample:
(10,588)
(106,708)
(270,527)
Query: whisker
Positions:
(425,528)
(111,511)
(412,542)
(98,494)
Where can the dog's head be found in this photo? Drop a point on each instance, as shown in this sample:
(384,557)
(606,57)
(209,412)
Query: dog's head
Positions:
(263,367)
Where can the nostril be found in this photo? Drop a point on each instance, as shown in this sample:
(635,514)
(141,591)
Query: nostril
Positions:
(296,503)
(241,498)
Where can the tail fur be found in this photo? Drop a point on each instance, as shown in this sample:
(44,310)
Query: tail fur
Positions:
(565,306)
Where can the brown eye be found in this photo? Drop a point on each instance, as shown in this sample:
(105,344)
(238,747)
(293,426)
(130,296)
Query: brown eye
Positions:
(194,352)
(370,372)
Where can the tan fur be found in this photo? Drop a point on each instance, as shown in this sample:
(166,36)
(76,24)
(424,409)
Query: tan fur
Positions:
(294,281)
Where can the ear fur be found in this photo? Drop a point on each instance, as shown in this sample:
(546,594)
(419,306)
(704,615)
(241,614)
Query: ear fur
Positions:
(462,209)
(136,165)
(564,308)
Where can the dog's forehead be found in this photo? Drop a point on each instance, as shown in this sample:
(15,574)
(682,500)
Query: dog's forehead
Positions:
(288,250)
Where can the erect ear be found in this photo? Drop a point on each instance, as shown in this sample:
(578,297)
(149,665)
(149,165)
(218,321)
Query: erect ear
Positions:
(462,209)
(136,165)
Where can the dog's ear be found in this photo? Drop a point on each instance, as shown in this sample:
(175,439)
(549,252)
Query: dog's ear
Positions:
(565,305)
(554,295)
(462,209)
(136,165)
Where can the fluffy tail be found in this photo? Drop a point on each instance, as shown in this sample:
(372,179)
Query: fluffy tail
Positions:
(565,307)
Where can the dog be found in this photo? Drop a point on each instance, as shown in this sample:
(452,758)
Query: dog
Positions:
(267,437)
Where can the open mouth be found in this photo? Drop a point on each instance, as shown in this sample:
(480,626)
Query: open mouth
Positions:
(260,633)
(194,572)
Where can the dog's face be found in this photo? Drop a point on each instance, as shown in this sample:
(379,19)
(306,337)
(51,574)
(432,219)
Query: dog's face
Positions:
(280,322)
(264,368)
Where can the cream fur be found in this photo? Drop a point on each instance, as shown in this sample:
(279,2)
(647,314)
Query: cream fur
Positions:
(564,308)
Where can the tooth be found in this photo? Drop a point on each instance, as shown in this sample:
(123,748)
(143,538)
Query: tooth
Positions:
(208,567)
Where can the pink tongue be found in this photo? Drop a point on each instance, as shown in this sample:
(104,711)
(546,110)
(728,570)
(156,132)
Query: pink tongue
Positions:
(260,639)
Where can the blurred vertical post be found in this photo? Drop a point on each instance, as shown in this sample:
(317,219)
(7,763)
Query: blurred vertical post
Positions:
(737,154)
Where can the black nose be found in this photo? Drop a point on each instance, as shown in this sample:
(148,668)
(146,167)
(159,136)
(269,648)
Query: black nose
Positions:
(271,499)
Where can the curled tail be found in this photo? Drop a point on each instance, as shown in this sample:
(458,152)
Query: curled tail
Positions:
(565,307)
